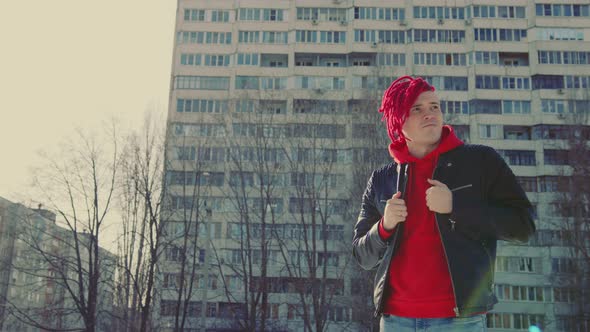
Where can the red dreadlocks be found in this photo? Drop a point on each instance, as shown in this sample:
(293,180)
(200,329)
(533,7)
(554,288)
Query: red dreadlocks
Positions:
(396,103)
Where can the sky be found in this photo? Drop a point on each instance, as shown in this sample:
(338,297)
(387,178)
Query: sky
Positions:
(67,64)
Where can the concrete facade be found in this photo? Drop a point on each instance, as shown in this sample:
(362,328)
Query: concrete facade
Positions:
(30,288)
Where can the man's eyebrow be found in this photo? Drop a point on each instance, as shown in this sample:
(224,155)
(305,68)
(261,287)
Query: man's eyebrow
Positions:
(432,103)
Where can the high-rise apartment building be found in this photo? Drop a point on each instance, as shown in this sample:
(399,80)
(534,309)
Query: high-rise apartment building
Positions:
(273,131)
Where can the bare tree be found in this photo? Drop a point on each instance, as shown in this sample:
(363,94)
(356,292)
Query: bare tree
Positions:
(571,274)
(315,254)
(191,181)
(255,196)
(370,132)
(140,241)
(78,185)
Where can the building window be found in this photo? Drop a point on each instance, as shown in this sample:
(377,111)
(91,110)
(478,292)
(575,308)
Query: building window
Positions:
(553,105)
(514,321)
(516,83)
(306,36)
(454,107)
(563,265)
(484,11)
(487,82)
(512,34)
(528,183)
(548,82)
(216,60)
(379,36)
(319,82)
(391,59)
(219,16)
(517,132)
(273,83)
(319,106)
(213,154)
(486,58)
(199,130)
(247,83)
(332,37)
(248,59)
(322,14)
(485,34)
(440,59)
(549,184)
(516,107)
(249,37)
(519,157)
(556,157)
(275,37)
(564,294)
(484,106)
(518,264)
(448,83)
(560,34)
(272,15)
(523,293)
(577,82)
(457,13)
(246,106)
(566,10)
(201,83)
(437,36)
(511,12)
(249,14)
(364,36)
(202,37)
(190,59)
(374,13)
(194,15)
(490,131)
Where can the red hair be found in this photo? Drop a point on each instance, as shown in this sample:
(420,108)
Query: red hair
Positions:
(397,101)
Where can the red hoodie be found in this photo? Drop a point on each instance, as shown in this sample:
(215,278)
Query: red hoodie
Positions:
(419,281)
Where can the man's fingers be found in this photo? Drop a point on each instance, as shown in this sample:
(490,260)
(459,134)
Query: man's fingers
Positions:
(436,183)
(395,199)
(397,209)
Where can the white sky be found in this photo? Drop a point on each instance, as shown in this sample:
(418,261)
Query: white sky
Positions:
(74,63)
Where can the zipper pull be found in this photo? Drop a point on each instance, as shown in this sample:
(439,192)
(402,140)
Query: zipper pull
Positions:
(452,224)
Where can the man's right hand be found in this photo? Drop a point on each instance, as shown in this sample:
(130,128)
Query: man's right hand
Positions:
(395,212)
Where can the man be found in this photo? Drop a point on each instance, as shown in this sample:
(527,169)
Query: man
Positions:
(429,222)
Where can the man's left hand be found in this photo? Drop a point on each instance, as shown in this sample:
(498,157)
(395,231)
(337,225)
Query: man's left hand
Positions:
(439,198)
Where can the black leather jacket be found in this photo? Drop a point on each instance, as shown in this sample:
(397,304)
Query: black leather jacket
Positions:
(488,205)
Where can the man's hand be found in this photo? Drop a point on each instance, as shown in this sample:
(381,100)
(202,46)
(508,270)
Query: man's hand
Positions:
(439,198)
(395,212)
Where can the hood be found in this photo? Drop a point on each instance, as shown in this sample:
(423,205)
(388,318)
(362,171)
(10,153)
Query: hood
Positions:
(448,141)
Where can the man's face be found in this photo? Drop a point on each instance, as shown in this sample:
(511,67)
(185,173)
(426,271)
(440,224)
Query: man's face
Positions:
(423,126)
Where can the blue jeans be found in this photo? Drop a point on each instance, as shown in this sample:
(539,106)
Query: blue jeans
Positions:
(390,323)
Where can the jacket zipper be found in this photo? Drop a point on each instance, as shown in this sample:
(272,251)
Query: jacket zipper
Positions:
(456,308)
(492,267)
(462,187)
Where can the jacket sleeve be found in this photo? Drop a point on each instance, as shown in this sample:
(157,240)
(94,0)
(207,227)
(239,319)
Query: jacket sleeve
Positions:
(367,246)
(504,213)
